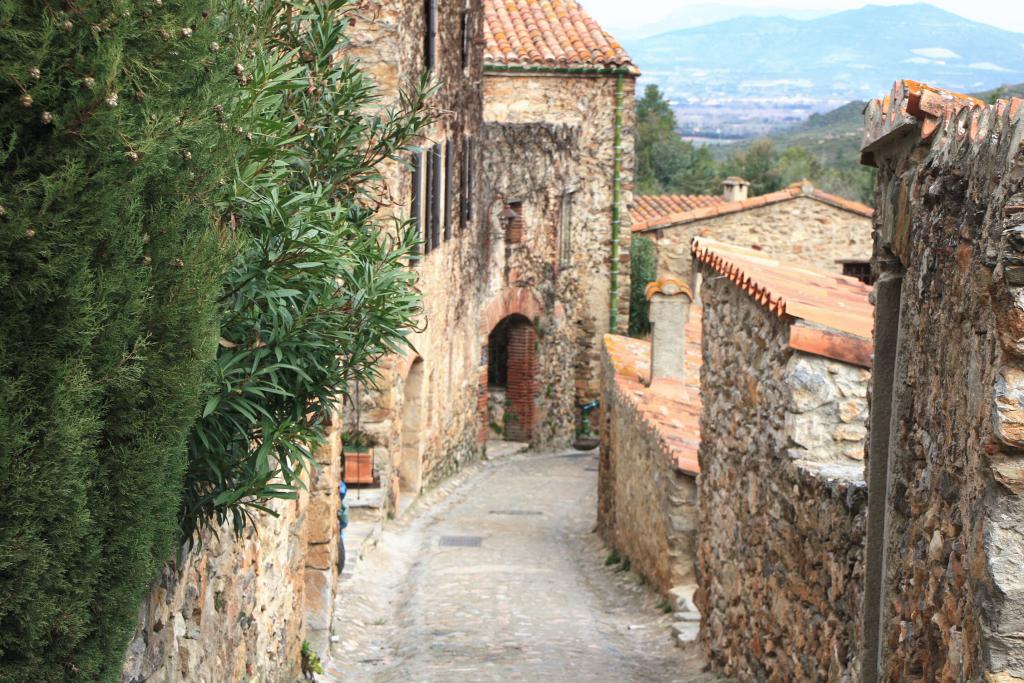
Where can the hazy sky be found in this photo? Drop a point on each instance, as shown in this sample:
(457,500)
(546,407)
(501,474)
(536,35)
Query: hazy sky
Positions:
(1007,14)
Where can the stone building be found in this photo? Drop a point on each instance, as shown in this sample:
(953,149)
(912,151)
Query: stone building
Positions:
(557,162)
(647,493)
(420,422)
(781,496)
(944,592)
(799,223)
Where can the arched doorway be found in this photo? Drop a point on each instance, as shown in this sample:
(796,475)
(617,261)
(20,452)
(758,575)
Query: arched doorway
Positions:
(410,465)
(511,378)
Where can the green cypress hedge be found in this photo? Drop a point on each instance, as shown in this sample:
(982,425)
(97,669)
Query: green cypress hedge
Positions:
(110,157)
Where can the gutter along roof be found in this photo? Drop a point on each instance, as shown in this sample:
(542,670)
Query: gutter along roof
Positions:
(549,35)
(829,315)
(794,191)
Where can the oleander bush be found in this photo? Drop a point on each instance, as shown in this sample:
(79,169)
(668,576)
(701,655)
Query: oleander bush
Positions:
(319,290)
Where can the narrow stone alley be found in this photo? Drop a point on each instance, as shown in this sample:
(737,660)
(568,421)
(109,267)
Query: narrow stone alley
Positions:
(497,576)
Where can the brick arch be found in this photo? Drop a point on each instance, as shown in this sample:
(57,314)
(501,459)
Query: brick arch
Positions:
(511,301)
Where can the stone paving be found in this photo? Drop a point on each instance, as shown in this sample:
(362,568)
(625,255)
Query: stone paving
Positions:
(498,576)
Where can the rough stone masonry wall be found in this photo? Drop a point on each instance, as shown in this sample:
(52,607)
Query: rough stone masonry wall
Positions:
(801,229)
(587,105)
(388,40)
(535,164)
(239,610)
(648,508)
(950,222)
(780,550)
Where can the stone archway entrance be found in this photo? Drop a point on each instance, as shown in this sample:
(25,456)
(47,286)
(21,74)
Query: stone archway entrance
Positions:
(511,378)
(410,464)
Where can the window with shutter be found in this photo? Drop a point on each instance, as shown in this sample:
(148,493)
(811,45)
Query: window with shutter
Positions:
(428,201)
(466,205)
(466,39)
(448,156)
(416,210)
(436,171)
(430,34)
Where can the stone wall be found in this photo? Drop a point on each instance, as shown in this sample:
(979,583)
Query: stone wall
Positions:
(387,41)
(781,500)
(579,112)
(647,506)
(801,229)
(536,165)
(947,445)
(239,609)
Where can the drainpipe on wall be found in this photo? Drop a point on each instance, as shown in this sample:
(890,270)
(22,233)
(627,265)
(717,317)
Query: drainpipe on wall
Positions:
(613,312)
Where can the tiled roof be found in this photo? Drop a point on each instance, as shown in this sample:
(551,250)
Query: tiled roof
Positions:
(911,104)
(836,306)
(671,408)
(547,33)
(796,190)
(648,207)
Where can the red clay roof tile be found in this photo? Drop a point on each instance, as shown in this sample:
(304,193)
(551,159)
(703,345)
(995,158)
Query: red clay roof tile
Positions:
(670,408)
(647,207)
(798,189)
(553,33)
(794,291)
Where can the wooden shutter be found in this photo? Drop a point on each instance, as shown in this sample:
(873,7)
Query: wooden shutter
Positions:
(416,210)
(430,35)
(448,156)
(435,199)
(428,202)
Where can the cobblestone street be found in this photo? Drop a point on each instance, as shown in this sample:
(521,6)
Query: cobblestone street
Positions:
(498,577)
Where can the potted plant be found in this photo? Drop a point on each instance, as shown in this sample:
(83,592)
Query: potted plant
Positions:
(356,447)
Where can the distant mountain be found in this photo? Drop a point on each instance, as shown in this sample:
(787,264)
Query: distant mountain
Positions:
(703,14)
(823,62)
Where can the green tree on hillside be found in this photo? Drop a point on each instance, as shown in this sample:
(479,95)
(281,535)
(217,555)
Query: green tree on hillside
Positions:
(110,266)
(665,163)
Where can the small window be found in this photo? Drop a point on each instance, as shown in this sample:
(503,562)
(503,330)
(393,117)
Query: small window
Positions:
(416,210)
(858,269)
(565,231)
(513,217)
(430,34)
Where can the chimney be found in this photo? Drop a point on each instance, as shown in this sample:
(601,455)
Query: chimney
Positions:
(670,309)
(734,189)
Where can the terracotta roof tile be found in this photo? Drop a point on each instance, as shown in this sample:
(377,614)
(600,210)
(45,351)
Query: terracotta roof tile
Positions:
(912,104)
(837,303)
(670,408)
(554,33)
(648,207)
(798,189)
